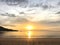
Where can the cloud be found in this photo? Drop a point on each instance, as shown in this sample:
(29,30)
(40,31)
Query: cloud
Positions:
(13,1)
(11,21)
(21,3)
(21,12)
(19,20)
(58,12)
(58,3)
(45,6)
(50,23)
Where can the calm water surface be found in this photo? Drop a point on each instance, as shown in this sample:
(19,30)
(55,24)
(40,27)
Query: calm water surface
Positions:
(31,34)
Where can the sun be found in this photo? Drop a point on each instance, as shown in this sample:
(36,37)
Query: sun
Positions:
(29,27)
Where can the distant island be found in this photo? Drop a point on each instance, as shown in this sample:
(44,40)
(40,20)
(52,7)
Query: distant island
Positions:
(5,29)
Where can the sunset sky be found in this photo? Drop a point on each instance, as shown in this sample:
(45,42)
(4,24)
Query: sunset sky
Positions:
(44,14)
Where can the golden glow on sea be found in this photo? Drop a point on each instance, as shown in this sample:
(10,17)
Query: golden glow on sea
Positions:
(29,28)
(29,34)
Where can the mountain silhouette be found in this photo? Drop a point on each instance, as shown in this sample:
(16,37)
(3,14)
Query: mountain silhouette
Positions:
(5,29)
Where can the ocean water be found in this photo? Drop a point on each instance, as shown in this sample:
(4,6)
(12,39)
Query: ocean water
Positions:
(30,34)
(36,37)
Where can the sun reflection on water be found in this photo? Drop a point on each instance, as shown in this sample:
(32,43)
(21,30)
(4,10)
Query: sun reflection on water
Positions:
(29,34)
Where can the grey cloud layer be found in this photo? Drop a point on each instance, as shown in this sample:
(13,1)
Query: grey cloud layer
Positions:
(35,3)
(11,21)
(51,5)
(50,23)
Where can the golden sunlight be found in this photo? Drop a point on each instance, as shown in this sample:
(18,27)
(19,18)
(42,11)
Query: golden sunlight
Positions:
(29,27)
(29,34)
